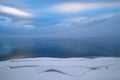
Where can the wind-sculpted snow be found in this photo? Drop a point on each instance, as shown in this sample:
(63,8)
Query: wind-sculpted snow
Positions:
(60,69)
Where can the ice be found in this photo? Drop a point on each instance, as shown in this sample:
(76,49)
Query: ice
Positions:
(107,68)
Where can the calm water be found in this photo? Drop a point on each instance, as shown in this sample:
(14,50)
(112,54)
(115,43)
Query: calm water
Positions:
(62,48)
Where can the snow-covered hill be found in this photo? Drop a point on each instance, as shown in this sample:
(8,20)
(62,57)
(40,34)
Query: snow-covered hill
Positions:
(60,69)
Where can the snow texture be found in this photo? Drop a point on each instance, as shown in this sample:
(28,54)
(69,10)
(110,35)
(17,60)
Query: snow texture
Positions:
(60,69)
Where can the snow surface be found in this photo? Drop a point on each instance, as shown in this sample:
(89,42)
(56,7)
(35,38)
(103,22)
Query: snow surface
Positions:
(60,69)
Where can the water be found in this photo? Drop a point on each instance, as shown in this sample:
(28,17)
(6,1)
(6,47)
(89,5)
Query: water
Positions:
(11,48)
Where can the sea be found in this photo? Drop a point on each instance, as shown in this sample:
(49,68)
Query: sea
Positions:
(31,47)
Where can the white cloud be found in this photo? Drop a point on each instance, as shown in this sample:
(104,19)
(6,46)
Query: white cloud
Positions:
(68,7)
(76,7)
(13,11)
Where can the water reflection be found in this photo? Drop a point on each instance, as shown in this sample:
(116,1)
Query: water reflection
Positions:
(39,47)
(4,49)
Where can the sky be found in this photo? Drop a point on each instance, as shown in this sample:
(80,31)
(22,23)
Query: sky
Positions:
(83,18)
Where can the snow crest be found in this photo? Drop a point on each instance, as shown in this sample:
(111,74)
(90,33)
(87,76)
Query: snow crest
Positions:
(60,69)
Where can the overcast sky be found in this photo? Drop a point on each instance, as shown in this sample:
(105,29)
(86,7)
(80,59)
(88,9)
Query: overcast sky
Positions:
(60,17)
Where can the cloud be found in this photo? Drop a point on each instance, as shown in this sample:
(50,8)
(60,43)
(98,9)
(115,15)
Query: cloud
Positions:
(83,21)
(13,11)
(4,19)
(13,18)
(29,26)
(106,25)
(68,7)
(77,7)
(8,22)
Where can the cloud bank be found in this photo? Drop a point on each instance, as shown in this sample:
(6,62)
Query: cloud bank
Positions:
(77,7)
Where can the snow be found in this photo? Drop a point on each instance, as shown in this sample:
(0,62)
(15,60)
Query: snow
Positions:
(60,69)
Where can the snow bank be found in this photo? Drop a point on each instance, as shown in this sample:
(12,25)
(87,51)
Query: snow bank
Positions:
(60,69)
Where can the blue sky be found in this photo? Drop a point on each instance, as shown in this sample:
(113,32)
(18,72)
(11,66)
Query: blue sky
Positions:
(60,17)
